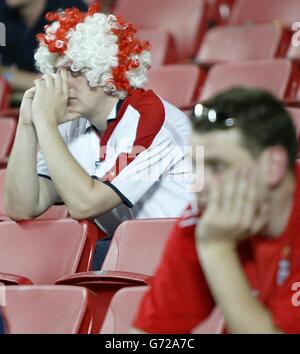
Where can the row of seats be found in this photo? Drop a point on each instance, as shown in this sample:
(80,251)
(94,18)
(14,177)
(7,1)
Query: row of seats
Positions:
(187,24)
(73,310)
(181,85)
(86,302)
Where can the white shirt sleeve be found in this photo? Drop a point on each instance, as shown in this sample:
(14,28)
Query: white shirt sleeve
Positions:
(41,167)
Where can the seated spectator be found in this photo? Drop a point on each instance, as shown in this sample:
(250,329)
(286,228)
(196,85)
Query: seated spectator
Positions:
(23,20)
(125,159)
(243,253)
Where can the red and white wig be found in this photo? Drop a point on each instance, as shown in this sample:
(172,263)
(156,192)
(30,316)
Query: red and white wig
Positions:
(102,47)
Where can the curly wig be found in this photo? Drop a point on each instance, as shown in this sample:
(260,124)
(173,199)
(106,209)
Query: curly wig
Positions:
(102,47)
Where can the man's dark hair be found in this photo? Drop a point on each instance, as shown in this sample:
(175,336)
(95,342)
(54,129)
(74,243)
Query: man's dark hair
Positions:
(261,118)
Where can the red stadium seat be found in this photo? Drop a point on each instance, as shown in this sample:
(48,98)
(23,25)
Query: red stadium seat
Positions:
(162,47)
(177,84)
(44,251)
(293,53)
(4,94)
(215,324)
(236,43)
(137,245)
(277,76)
(55,212)
(7,134)
(10,112)
(50,310)
(132,259)
(184,20)
(122,310)
(284,11)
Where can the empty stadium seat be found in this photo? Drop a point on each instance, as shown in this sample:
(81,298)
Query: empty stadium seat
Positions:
(284,11)
(248,42)
(276,76)
(184,20)
(55,212)
(162,47)
(7,133)
(136,247)
(122,310)
(124,306)
(50,310)
(42,251)
(177,84)
(132,259)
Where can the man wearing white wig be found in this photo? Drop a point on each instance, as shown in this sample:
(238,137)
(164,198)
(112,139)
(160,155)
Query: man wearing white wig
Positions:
(125,158)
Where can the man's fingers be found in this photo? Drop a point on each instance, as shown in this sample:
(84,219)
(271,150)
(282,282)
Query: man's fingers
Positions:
(64,79)
(30,93)
(57,82)
(39,84)
(243,191)
(249,208)
(48,79)
(215,196)
(229,190)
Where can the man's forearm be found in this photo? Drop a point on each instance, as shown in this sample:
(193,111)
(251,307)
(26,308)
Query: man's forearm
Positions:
(22,80)
(72,183)
(21,181)
(231,290)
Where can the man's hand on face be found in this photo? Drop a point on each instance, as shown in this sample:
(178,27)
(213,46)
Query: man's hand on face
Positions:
(50,100)
(233,212)
(26,107)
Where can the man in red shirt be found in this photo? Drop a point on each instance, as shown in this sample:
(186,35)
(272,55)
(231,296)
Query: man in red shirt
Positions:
(243,254)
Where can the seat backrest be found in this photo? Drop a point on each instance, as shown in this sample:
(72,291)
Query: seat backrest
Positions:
(272,75)
(285,11)
(253,42)
(122,310)
(293,52)
(165,80)
(184,20)
(44,251)
(7,134)
(55,212)
(137,245)
(48,309)
(162,48)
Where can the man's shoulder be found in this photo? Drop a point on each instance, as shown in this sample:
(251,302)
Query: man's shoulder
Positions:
(143,100)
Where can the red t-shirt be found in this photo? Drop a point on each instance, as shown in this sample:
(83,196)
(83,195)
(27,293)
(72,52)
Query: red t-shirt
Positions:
(180,299)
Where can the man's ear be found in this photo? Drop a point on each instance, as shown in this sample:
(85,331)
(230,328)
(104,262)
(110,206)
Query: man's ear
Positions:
(276,165)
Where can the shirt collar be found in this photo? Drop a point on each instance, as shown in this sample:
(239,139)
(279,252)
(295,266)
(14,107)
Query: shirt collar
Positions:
(112,115)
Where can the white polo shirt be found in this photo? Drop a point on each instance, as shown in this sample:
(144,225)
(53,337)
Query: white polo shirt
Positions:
(141,156)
